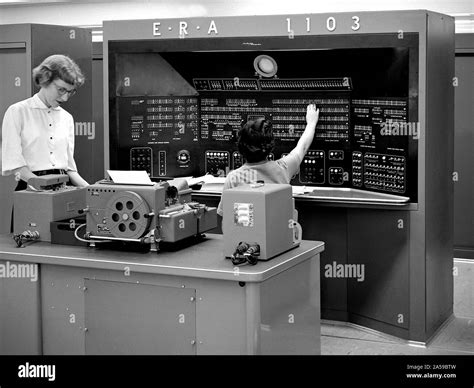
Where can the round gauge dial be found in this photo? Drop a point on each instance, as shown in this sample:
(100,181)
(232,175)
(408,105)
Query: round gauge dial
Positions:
(183,157)
(265,65)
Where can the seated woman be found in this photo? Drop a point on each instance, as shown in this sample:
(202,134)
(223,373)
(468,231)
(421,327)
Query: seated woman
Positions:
(255,143)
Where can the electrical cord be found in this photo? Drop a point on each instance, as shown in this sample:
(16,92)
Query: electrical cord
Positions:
(25,236)
(84,240)
(246,253)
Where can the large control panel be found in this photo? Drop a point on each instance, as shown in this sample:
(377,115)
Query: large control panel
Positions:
(364,138)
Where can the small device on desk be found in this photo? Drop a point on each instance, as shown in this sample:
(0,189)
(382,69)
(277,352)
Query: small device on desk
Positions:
(54,182)
(145,213)
(35,209)
(259,222)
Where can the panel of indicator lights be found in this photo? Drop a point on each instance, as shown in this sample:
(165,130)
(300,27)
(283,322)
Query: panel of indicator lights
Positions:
(217,163)
(237,160)
(222,117)
(336,155)
(385,172)
(336,176)
(289,118)
(154,120)
(141,158)
(357,169)
(368,116)
(220,84)
(312,168)
(162,163)
(273,84)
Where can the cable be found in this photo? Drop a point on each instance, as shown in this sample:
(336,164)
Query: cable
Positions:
(84,240)
(27,235)
(246,253)
(77,237)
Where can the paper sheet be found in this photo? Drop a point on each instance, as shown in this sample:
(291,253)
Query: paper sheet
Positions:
(300,190)
(206,179)
(130,177)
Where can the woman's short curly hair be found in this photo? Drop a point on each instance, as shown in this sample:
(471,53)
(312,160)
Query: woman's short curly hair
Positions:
(58,67)
(255,140)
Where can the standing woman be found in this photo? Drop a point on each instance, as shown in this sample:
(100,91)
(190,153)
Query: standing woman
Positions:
(38,135)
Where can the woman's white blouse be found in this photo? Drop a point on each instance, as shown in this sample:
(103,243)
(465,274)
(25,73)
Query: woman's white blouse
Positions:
(38,137)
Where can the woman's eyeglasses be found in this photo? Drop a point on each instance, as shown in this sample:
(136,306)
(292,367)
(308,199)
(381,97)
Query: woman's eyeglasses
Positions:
(62,91)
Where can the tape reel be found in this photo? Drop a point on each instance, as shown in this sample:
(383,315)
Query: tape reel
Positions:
(125,213)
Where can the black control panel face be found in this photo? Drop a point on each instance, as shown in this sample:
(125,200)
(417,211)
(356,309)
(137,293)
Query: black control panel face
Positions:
(364,138)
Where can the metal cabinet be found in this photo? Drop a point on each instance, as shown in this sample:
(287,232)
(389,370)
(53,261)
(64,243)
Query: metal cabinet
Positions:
(329,225)
(463,147)
(14,80)
(189,301)
(164,320)
(20,312)
(378,263)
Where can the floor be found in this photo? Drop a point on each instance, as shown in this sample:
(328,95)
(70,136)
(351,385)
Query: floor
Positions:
(456,337)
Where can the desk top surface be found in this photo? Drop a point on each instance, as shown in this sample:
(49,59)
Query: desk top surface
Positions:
(328,196)
(204,259)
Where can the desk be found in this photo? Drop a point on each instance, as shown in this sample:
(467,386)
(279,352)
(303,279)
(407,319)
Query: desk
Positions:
(189,301)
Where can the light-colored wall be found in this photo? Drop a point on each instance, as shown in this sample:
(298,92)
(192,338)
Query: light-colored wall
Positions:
(91,13)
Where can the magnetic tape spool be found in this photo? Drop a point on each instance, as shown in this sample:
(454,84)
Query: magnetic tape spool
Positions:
(125,213)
